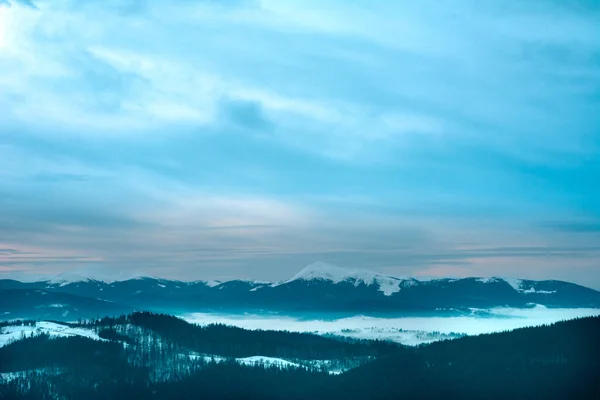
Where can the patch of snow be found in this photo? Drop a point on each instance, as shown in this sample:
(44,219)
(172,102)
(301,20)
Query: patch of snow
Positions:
(212,283)
(6,377)
(387,284)
(517,284)
(266,361)
(533,290)
(487,280)
(514,282)
(52,306)
(336,371)
(95,274)
(67,278)
(333,367)
(16,332)
(161,285)
(409,282)
(9,376)
(276,362)
(103,300)
(427,278)
(252,282)
(207,358)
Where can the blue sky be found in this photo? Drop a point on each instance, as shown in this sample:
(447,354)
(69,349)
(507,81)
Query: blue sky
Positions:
(240,138)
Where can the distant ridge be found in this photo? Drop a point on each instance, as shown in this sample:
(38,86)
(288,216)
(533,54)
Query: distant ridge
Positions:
(94,274)
(319,287)
(318,270)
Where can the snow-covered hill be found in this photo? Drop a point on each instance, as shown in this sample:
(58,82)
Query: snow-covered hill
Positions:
(16,332)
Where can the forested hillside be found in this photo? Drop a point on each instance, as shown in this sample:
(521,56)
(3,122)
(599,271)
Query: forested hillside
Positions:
(153,356)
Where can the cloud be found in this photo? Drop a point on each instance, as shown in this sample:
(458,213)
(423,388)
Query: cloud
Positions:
(246,114)
(262,135)
(573,226)
(28,3)
(8,251)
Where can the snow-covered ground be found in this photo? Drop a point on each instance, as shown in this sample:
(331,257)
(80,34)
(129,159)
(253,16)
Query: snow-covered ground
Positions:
(10,333)
(6,377)
(406,330)
(331,366)
(266,361)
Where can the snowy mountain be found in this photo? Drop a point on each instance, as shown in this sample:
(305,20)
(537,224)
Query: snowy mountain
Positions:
(319,287)
(15,332)
(68,278)
(334,274)
(89,274)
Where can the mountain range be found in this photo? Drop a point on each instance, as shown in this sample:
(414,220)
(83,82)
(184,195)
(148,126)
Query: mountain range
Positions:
(319,287)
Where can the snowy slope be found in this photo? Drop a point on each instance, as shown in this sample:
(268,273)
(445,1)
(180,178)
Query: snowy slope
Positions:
(16,332)
(331,366)
(327,272)
(266,361)
(67,278)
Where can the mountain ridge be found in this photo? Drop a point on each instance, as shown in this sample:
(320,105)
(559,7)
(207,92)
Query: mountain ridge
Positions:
(317,288)
(315,271)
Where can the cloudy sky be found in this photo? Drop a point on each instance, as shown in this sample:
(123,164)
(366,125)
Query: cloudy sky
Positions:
(239,138)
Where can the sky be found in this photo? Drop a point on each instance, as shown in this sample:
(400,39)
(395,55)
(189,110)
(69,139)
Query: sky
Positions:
(246,139)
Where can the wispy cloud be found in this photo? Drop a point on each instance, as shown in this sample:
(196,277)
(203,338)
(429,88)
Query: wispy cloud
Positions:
(573,226)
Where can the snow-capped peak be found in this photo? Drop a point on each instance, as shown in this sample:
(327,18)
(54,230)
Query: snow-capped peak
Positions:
(66,278)
(327,272)
(94,275)
(324,271)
